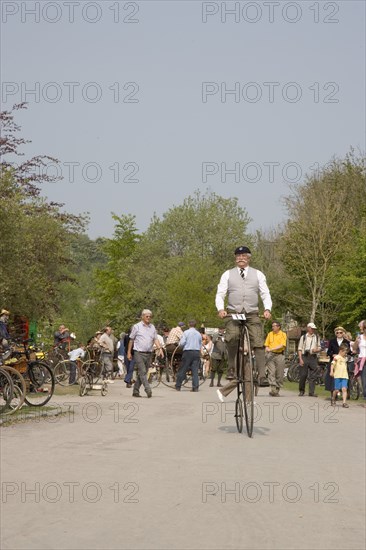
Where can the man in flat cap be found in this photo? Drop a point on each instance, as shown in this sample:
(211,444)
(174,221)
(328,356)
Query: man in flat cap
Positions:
(242,285)
(308,348)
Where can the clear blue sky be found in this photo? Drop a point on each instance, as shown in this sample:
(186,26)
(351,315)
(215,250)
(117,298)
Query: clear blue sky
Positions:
(179,122)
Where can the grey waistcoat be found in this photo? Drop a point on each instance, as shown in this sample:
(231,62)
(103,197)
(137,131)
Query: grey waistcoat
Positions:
(243,294)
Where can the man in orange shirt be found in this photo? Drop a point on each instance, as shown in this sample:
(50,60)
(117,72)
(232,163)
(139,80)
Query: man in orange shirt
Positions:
(275,353)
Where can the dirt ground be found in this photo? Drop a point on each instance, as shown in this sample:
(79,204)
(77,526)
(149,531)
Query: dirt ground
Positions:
(118,472)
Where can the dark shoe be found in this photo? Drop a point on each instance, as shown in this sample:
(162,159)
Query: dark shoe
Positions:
(301,394)
(149,394)
(136,395)
(219,385)
(133,381)
(313,395)
(345,405)
(194,389)
(273,394)
(211,384)
(178,389)
(128,385)
(332,403)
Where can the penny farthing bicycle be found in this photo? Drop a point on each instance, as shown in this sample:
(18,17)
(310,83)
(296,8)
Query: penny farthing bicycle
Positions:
(245,376)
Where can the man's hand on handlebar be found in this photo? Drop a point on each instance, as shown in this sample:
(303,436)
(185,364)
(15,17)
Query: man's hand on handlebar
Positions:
(222,313)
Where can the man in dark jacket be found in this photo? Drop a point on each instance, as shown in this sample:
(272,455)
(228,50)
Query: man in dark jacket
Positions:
(4,334)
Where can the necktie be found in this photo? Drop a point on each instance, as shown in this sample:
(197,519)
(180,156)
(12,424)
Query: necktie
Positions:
(242,273)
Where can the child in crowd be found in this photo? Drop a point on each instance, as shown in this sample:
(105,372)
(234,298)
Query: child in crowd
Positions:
(338,370)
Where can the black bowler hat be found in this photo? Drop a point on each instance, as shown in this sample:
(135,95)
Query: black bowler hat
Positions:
(242,250)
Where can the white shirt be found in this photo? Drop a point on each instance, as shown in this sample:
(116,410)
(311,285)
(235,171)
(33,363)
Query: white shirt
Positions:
(362,346)
(76,353)
(161,341)
(223,288)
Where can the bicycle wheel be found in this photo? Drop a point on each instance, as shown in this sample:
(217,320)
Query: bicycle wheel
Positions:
(40,384)
(293,373)
(167,376)
(354,388)
(201,374)
(83,389)
(62,372)
(19,389)
(289,372)
(171,370)
(154,376)
(246,370)
(93,369)
(6,390)
(239,415)
(104,389)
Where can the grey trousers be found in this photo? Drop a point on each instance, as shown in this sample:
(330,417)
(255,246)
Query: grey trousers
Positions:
(107,363)
(276,367)
(255,329)
(142,364)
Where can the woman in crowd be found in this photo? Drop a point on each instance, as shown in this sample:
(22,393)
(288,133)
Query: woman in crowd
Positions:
(333,349)
(206,351)
(359,347)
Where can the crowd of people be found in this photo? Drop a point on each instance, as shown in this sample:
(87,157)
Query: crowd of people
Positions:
(240,289)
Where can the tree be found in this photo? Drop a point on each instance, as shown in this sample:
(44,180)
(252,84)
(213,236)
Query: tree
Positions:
(319,236)
(35,233)
(174,267)
(115,282)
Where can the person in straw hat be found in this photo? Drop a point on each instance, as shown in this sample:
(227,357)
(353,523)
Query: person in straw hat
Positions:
(333,349)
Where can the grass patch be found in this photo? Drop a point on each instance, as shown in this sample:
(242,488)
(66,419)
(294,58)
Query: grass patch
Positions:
(66,390)
(294,387)
(28,413)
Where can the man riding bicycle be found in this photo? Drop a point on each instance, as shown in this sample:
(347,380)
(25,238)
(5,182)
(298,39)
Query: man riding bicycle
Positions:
(242,285)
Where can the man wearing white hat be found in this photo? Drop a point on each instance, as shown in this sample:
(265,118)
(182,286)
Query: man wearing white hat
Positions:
(308,348)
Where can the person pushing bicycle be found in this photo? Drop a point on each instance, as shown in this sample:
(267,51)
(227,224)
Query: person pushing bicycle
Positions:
(242,285)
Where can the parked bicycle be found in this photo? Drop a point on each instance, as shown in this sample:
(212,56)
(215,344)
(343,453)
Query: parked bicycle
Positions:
(38,376)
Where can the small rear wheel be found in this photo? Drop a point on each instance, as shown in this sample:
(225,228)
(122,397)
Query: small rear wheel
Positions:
(239,415)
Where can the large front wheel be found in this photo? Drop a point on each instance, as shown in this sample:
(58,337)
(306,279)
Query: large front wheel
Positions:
(245,359)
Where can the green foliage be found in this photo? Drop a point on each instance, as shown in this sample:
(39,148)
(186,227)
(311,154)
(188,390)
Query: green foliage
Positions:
(322,245)
(115,282)
(35,234)
(34,251)
(174,267)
